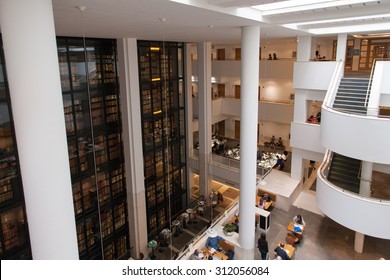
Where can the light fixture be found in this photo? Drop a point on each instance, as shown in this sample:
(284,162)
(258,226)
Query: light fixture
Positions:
(371,35)
(303,5)
(337,20)
(351,29)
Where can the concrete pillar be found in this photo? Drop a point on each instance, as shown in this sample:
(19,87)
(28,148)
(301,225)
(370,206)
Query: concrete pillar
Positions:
(301,108)
(366,178)
(359,242)
(304,48)
(204,98)
(296,164)
(132,145)
(341,49)
(250,42)
(33,74)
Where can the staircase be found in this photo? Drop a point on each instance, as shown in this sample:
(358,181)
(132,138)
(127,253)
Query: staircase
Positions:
(351,95)
(344,172)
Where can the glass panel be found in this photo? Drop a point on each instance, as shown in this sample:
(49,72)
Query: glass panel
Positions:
(117,181)
(13,228)
(104,187)
(89,193)
(106,222)
(77,64)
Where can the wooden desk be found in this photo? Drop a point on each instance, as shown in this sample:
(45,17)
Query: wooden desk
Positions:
(218,254)
(268,204)
(290,250)
(291,228)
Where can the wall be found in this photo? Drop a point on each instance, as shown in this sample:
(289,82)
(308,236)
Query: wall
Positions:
(313,75)
(363,215)
(354,136)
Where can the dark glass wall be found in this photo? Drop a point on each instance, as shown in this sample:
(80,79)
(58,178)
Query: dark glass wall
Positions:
(91,105)
(14,237)
(161,67)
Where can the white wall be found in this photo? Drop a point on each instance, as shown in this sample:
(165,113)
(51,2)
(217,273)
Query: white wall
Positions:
(306,136)
(364,215)
(313,75)
(365,138)
(283,48)
(385,84)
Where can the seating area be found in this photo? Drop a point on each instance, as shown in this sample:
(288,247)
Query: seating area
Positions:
(272,202)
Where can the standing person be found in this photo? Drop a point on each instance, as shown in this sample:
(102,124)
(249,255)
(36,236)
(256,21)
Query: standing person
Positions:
(262,244)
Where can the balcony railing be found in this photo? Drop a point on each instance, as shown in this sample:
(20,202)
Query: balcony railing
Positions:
(231,163)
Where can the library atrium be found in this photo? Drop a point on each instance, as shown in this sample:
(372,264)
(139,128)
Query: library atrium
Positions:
(182,129)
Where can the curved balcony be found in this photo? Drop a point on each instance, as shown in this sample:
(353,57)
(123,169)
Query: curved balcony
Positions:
(357,136)
(362,214)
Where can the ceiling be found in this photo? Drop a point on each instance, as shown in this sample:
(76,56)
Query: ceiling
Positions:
(217,21)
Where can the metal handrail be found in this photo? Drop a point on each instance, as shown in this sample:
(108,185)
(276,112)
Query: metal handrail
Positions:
(370,82)
(323,171)
(333,83)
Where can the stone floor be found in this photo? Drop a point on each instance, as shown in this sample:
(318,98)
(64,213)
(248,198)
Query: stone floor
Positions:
(323,239)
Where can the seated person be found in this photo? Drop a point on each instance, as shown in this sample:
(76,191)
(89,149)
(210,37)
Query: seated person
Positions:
(299,220)
(280,252)
(212,240)
(261,203)
(197,255)
(266,197)
(237,224)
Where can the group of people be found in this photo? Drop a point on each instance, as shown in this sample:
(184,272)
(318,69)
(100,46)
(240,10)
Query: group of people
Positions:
(212,245)
(262,245)
(280,251)
(316,119)
(263,200)
(272,57)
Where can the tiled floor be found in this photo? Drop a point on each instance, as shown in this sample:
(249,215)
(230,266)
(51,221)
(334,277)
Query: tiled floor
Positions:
(323,239)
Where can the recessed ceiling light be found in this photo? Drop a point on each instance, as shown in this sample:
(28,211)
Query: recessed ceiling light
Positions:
(303,5)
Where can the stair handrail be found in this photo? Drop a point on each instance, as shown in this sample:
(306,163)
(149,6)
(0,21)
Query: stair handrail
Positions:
(370,82)
(334,82)
(325,165)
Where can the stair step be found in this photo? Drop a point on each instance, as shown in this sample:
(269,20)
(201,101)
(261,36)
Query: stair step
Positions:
(349,109)
(349,106)
(349,102)
(345,163)
(344,185)
(352,92)
(351,97)
(343,175)
(348,167)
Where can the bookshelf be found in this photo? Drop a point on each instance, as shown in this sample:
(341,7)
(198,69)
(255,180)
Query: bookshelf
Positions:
(90,92)
(163,130)
(14,237)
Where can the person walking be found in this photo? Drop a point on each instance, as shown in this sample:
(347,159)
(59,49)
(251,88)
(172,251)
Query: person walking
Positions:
(262,244)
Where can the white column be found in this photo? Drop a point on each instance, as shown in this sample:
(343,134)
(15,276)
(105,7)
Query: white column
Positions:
(359,242)
(301,107)
(296,164)
(365,178)
(34,81)
(204,99)
(132,145)
(303,48)
(341,49)
(250,42)
(355,58)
